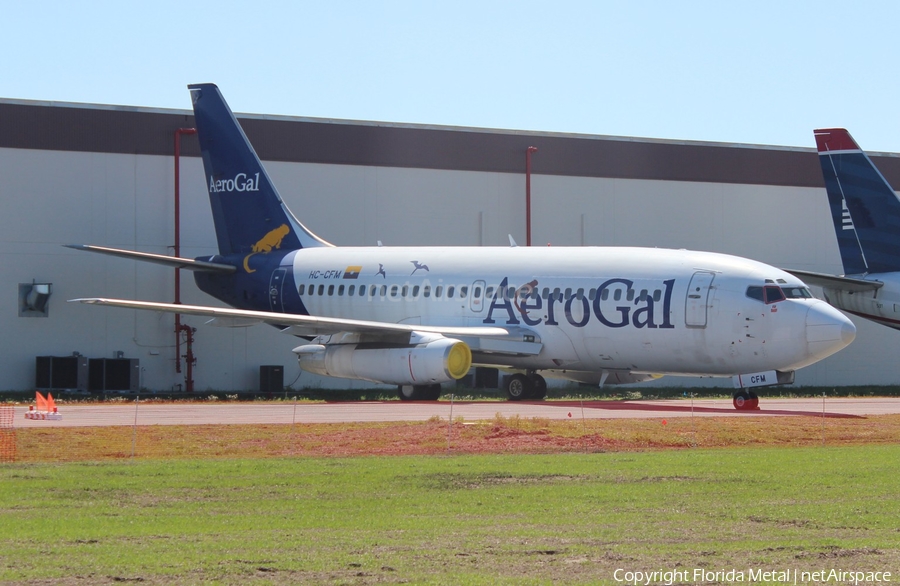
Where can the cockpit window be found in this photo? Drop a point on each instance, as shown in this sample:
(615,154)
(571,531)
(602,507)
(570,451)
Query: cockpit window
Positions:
(774,293)
(796,292)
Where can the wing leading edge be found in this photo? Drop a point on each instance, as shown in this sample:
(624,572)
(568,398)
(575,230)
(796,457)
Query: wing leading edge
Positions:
(307,325)
(836,282)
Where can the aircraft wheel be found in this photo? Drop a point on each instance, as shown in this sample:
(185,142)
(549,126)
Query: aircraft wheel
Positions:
(539,388)
(407,393)
(419,392)
(741,401)
(518,387)
(431,392)
(754,401)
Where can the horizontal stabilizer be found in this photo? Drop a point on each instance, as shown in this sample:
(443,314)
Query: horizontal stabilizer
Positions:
(172,261)
(836,282)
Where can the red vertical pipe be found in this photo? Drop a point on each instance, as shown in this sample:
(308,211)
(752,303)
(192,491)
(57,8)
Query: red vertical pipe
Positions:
(528,153)
(178,328)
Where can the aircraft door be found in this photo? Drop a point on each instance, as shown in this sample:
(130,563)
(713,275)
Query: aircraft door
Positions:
(476,301)
(275,290)
(696,304)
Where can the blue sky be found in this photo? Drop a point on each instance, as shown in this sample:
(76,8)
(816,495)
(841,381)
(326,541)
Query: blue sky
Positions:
(756,72)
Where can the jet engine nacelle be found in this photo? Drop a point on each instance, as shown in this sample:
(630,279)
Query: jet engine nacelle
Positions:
(436,360)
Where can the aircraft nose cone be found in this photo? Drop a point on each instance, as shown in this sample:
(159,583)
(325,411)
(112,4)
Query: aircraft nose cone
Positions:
(848,332)
(827,330)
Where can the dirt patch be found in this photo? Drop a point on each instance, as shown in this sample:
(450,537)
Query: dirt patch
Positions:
(437,436)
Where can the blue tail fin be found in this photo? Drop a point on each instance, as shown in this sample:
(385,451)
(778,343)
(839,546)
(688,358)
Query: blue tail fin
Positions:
(248,213)
(864,207)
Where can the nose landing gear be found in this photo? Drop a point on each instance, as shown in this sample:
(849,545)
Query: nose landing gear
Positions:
(745,401)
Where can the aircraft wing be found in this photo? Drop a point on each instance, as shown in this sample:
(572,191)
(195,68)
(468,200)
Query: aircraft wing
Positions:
(836,282)
(172,261)
(309,325)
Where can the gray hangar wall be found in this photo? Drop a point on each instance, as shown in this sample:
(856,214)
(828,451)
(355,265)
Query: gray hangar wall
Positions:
(105,176)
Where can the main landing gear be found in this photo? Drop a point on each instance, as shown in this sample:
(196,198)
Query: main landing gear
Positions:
(419,392)
(531,386)
(745,401)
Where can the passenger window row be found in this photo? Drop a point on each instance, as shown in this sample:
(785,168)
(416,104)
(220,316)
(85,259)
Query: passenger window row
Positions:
(453,292)
(386,291)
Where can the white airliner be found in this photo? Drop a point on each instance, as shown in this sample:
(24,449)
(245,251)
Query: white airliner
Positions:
(866,216)
(417,317)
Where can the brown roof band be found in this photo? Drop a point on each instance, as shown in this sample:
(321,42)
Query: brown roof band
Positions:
(146,132)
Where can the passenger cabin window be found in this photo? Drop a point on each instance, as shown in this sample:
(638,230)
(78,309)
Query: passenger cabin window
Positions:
(405,291)
(415,290)
(394,290)
(438,291)
(351,291)
(426,291)
(341,291)
(330,290)
(301,289)
(321,289)
(450,291)
(489,293)
(463,291)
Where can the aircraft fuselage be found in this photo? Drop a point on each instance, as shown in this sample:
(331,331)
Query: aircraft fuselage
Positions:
(880,305)
(592,309)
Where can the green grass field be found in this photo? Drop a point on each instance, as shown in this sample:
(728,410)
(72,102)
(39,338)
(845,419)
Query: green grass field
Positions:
(507,519)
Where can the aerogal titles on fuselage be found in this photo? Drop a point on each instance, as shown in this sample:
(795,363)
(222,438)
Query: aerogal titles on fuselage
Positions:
(241,182)
(578,310)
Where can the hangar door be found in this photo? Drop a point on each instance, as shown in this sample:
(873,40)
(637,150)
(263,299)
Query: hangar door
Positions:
(696,306)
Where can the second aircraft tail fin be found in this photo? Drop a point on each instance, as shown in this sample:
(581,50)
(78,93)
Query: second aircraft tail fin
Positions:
(864,208)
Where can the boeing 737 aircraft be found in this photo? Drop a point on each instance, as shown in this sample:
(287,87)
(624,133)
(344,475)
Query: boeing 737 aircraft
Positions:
(866,215)
(417,317)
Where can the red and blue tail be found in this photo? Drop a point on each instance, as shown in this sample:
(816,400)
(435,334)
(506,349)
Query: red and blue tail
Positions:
(247,210)
(864,207)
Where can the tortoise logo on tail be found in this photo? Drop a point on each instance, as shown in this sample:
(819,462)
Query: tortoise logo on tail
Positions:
(265,245)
